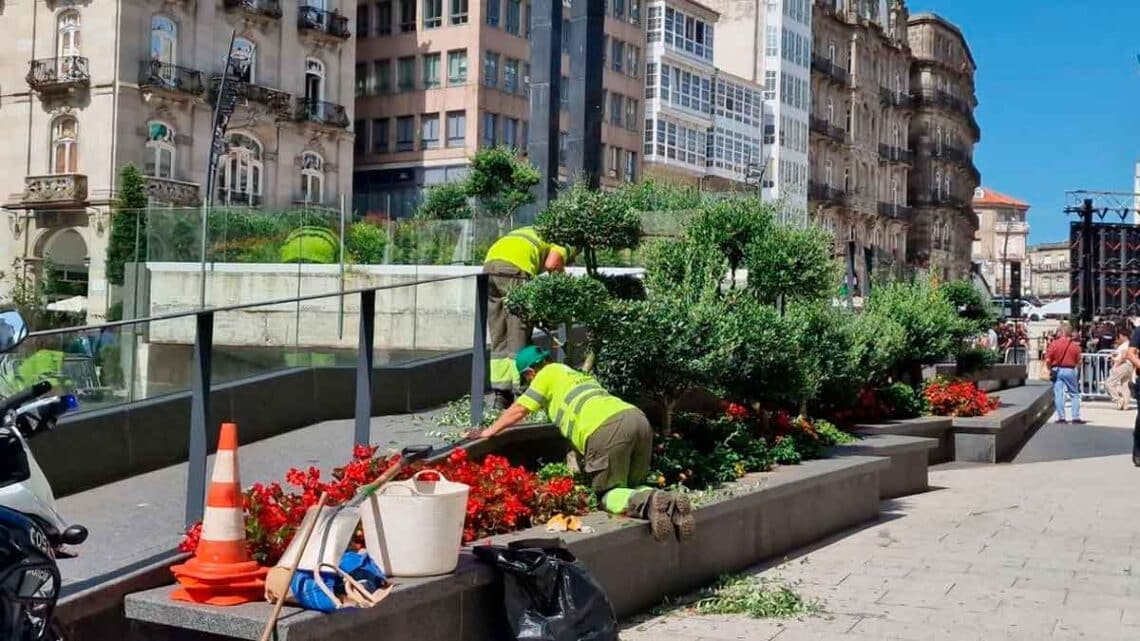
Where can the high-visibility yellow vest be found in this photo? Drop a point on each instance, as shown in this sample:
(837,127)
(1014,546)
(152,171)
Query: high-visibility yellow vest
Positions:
(524,249)
(574,400)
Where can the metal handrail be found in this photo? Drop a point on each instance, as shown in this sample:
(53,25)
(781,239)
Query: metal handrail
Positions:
(233,308)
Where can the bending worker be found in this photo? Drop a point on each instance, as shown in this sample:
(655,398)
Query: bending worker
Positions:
(510,262)
(613,437)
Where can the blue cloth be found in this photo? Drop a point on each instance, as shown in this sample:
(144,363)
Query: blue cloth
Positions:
(358,565)
(1066,384)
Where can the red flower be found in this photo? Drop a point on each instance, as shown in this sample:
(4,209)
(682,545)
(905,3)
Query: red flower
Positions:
(736,411)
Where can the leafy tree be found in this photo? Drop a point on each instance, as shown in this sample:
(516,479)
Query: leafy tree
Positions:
(792,262)
(930,324)
(365,243)
(731,226)
(500,181)
(972,306)
(590,220)
(764,363)
(447,201)
(128,224)
(691,270)
(651,195)
(552,301)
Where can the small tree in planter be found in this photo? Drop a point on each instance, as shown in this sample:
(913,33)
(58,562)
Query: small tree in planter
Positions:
(447,201)
(929,322)
(128,224)
(588,221)
(731,226)
(793,263)
(552,301)
(500,182)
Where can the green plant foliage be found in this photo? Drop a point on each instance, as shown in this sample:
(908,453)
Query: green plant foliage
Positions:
(624,286)
(684,269)
(365,243)
(972,306)
(755,597)
(554,300)
(128,239)
(930,323)
(764,361)
(785,451)
(902,401)
(792,262)
(590,220)
(731,226)
(310,245)
(701,452)
(446,201)
(974,360)
(650,195)
(500,181)
(423,242)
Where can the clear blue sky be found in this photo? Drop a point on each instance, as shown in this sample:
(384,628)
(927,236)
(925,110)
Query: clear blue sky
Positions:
(1058,87)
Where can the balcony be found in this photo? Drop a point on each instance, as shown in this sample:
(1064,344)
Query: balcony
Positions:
(838,134)
(317,21)
(819,125)
(275,102)
(892,210)
(892,98)
(257,8)
(1013,227)
(951,153)
(830,70)
(321,112)
(241,198)
(160,76)
(62,74)
(173,192)
(60,190)
(826,193)
(890,153)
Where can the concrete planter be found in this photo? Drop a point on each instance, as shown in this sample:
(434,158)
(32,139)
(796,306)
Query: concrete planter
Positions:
(994,378)
(908,456)
(998,436)
(939,428)
(759,517)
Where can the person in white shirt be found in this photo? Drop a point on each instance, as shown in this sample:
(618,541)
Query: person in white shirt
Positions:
(1121,374)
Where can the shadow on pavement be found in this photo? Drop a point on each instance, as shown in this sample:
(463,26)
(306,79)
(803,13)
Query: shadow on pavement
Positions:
(1061,442)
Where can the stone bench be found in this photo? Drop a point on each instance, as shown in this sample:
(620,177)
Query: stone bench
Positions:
(909,467)
(997,436)
(939,428)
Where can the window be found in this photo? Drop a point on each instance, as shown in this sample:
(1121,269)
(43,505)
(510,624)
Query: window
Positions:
(630,174)
(566,37)
(526,20)
(613,163)
(631,114)
(380,136)
(653,28)
(67,34)
(431,70)
(433,14)
(163,40)
(490,125)
(564,93)
(360,141)
(650,80)
(361,79)
(314,80)
(383,72)
(312,178)
(510,132)
(769,85)
(405,133)
(245,55)
(618,55)
(514,16)
(429,131)
(159,150)
(493,13)
(490,69)
(459,11)
(362,15)
(510,75)
(616,112)
(633,61)
(456,128)
(406,73)
(937,185)
(407,16)
(64,145)
(635,11)
(771,41)
(457,67)
(619,8)
(240,171)
(384,18)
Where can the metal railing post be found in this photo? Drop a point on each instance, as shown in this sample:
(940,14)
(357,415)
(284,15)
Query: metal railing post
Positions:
(480,356)
(199,414)
(362,434)
(563,336)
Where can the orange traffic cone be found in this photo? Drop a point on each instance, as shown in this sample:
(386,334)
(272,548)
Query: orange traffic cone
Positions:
(222,572)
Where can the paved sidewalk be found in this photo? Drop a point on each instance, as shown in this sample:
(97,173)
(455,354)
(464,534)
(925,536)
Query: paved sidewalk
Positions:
(1045,548)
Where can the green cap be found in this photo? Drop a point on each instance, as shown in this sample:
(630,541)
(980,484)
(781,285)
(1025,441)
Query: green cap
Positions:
(530,356)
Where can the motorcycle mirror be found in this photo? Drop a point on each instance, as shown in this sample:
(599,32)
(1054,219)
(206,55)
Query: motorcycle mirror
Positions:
(13,330)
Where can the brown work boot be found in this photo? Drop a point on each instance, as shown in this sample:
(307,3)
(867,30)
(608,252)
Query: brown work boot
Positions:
(682,517)
(659,508)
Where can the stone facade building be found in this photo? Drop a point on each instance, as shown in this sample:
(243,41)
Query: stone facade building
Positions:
(943,133)
(1050,270)
(90,86)
(1003,233)
(438,79)
(860,128)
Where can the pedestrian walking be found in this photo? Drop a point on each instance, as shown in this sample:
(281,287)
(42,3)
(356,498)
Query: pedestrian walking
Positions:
(1134,358)
(1063,358)
(1120,377)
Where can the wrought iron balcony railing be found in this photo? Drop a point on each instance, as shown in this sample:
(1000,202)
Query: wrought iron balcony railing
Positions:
(826,193)
(890,97)
(59,73)
(819,125)
(161,75)
(321,21)
(890,153)
(838,134)
(830,70)
(893,210)
(277,102)
(319,111)
(265,8)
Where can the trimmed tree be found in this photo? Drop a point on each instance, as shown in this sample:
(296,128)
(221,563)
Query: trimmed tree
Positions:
(552,301)
(128,224)
(590,221)
(447,201)
(500,181)
(792,262)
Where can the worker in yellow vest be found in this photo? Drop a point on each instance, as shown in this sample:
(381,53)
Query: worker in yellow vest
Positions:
(613,437)
(511,261)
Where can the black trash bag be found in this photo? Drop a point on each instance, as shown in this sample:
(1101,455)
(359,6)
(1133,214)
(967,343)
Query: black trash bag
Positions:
(548,595)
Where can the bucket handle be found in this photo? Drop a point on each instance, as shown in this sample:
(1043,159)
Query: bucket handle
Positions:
(415,477)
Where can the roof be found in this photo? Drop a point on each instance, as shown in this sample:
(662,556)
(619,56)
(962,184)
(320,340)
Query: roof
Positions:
(1064,244)
(987,197)
(930,16)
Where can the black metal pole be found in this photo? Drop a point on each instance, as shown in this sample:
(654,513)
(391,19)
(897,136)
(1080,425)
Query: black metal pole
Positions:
(1086,261)
(480,356)
(546,78)
(587,38)
(362,432)
(199,415)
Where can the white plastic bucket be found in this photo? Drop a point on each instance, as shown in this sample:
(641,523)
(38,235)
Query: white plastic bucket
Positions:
(415,527)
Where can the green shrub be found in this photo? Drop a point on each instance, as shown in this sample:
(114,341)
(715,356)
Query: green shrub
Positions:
(310,245)
(684,268)
(974,360)
(764,361)
(500,181)
(552,301)
(972,306)
(902,401)
(791,262)
(365,243)
(446,201)
(701,452)
(590,221)
(650,195)
(624,286)
(930,324)
(731,226)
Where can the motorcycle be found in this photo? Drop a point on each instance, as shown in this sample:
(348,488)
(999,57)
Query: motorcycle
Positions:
(32,533)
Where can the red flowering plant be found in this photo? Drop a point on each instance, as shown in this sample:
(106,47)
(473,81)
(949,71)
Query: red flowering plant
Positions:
(502,498)
(954,397)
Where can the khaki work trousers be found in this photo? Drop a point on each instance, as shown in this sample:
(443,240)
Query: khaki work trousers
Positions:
(507,332)
(1117,385)
(617,456)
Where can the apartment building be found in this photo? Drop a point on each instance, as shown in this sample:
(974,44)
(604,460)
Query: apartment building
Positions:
(943,133)
(860,122)
(767,43)
(1050,274)
(88,87)
(438,79)
(1003,232)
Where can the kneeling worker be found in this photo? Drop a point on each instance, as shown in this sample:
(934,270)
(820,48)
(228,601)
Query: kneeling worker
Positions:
(613,437)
